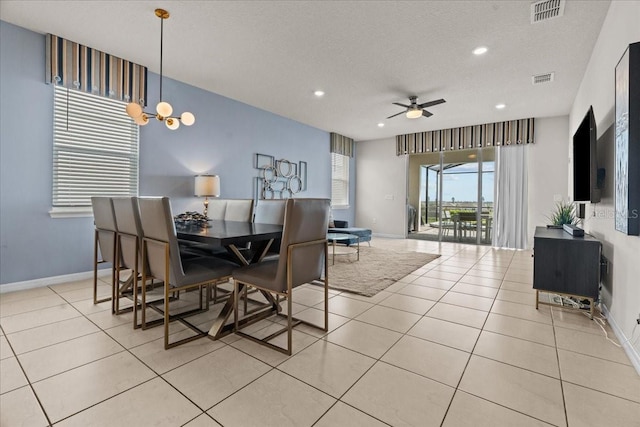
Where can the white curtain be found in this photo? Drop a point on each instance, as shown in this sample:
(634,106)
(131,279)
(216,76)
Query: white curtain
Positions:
(510,222)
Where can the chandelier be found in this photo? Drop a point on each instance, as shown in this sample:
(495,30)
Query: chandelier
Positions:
(164,110)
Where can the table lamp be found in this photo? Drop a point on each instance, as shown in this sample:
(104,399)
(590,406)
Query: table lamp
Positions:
(207,186)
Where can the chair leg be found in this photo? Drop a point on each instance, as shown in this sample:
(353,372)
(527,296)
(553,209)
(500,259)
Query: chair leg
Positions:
(246,289)
(135,301)
(167,285)
(289,323)
(235,305)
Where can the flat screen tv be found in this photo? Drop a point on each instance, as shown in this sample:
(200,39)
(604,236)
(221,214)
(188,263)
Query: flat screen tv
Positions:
(585,161)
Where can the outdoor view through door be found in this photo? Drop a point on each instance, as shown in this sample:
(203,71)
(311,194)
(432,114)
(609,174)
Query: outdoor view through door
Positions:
(451,196)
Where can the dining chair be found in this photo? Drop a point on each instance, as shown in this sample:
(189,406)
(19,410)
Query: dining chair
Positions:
(239,210)
(129,236)
(267,212)
(270,212)
(104,240)
(161,260)
(303,259)
(217,208)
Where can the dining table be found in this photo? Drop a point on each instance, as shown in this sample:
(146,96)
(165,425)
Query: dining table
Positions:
(467,221)
(234,236)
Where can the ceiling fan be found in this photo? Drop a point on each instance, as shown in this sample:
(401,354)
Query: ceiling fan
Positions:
(416,110)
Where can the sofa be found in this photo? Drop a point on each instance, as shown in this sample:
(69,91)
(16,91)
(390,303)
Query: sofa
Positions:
(364,234)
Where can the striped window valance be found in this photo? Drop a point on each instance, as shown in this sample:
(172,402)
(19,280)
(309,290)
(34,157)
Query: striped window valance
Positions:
(342,145)
(514,132)
(79,67)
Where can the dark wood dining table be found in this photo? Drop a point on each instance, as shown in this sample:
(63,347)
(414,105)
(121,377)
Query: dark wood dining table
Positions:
(231,235)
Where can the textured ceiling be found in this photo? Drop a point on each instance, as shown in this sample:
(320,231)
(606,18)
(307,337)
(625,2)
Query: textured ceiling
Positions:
(364,55)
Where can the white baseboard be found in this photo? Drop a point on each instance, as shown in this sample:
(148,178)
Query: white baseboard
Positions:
(632,353)
(388,236)
(47,281)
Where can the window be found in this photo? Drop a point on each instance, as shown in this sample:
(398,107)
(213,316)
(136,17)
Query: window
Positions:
(95,150)
(339,180)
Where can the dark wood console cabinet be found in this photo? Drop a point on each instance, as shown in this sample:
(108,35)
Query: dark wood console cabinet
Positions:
(566,264)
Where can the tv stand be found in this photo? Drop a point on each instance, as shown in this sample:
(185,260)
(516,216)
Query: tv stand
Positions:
(566,265)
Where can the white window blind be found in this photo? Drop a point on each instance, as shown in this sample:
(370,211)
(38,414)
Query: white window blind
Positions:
(339,180)
(95,149)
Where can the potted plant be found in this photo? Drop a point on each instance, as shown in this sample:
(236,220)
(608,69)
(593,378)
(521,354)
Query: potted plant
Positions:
(564,213)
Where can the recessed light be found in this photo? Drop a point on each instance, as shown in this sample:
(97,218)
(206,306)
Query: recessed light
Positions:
(471,156)
(500,106)
(480,50)
(380,125)
(318,93)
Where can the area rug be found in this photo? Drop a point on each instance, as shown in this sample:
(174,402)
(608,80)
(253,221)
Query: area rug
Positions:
(376,270)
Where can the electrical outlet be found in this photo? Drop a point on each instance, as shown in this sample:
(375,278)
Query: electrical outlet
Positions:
(374,220)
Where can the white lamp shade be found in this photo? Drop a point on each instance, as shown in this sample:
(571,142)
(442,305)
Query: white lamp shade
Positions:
(164,109)
(134,110)
(172,124)
(414,113)
(187,118)
(207,186)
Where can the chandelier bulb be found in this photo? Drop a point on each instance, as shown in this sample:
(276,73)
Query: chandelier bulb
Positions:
(164,109)
(134,110)
(141,120)
(187,118)
(172,123)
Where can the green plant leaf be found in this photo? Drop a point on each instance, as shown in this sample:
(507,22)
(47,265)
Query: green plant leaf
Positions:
(564,213)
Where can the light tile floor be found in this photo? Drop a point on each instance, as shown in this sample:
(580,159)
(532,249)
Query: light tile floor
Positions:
(458,342)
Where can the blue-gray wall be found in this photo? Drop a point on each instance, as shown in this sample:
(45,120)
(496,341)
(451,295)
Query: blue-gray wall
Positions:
(223,141)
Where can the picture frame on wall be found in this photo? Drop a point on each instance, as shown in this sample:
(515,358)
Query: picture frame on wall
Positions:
(263,160)
(627,141)
(302,173)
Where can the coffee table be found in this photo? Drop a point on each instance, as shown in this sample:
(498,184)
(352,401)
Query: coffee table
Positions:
(344,249)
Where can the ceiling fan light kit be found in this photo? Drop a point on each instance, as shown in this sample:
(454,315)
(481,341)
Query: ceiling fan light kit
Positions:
(164,110)
(415,110)
(414,113)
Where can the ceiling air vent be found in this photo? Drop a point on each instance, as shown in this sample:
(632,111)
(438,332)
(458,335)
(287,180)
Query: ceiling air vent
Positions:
(542,78)
(546,9)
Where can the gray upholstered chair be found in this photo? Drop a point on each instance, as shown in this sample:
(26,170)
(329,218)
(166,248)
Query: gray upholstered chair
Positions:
(303,259)
(239,210)
(105,240)
(270,212)
(162,260)
(129,236)
(230,209)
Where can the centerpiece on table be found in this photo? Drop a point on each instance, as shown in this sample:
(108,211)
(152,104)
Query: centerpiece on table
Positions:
(187,219)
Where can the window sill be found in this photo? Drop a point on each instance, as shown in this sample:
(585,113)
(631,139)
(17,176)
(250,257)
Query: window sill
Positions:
(73,212)
(337,208)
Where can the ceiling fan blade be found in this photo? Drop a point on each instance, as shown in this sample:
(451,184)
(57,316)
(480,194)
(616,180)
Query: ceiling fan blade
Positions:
(401,105)
(395,114)
(432,103)
(425,113)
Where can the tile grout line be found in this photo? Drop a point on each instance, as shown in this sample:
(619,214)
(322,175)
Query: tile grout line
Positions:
(157,375)
(457,387)
(323,337)
(564,400)
(28,382)
(339,399)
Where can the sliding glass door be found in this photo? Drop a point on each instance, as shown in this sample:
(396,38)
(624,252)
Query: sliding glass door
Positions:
(452,196)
